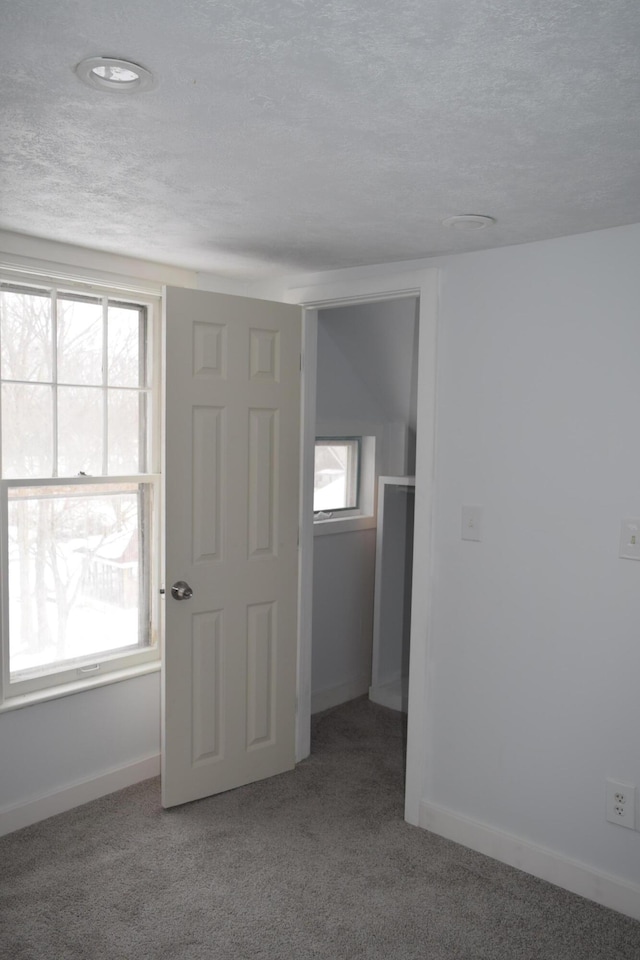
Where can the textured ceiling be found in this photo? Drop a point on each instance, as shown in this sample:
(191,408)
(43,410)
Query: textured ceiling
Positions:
(292,135)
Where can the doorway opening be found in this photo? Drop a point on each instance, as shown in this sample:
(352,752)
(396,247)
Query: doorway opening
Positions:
(365,397)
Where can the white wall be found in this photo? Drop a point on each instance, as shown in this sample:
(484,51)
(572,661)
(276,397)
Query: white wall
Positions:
(343,578)
(38,253)
(49,747)
(534,658)
(368,370)
(367,365)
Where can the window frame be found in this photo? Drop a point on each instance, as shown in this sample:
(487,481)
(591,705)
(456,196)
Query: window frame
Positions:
(371,435)
(110,666)
(351,511)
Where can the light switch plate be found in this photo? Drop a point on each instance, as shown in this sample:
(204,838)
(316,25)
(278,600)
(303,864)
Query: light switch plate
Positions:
(472,523)
(630,539)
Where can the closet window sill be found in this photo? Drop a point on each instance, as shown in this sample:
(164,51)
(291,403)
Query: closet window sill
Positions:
(343,525)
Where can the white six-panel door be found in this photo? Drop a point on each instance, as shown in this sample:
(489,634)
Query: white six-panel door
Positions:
(232,478)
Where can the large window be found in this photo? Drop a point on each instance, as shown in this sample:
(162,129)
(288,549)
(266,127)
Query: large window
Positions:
(79,491)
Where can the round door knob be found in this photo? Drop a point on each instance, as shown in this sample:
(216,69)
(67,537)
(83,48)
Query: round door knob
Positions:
(181,590)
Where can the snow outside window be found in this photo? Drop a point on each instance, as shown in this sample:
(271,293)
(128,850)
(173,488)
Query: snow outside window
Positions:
(337,474)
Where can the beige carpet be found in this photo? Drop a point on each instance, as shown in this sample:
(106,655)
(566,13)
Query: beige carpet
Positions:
(317,863)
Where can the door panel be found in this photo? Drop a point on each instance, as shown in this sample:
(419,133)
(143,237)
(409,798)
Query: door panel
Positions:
(232,469)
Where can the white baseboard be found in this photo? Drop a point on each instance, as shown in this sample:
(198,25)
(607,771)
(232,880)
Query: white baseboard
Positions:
(334,696)
(610,891)
(32,811)
(394,694)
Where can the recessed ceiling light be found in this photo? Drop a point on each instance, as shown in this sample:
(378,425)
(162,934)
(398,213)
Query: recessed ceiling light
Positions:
(469,221)
(117,76)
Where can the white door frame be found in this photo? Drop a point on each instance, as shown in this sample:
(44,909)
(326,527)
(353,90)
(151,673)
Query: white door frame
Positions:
(345,291)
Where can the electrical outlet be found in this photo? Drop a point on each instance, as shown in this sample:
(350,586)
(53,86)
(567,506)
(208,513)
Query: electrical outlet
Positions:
(621,804)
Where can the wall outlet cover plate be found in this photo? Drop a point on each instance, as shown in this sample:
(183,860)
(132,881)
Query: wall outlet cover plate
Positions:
(621,803)
(630,539)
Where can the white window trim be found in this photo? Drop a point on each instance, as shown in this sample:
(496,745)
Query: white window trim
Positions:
(146,295)
(370,458)
(20,700)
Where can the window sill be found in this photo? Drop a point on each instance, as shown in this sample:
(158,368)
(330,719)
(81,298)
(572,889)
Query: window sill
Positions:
(343,525)
(77,686)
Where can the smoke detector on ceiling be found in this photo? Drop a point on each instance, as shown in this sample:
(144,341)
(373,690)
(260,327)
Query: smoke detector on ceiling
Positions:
(116,76)
(469,221)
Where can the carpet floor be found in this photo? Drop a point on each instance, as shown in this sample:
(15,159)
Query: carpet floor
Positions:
(317,863)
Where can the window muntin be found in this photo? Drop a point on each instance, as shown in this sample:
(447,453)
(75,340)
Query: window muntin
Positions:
(336,474)
(75,377)
(79,523)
